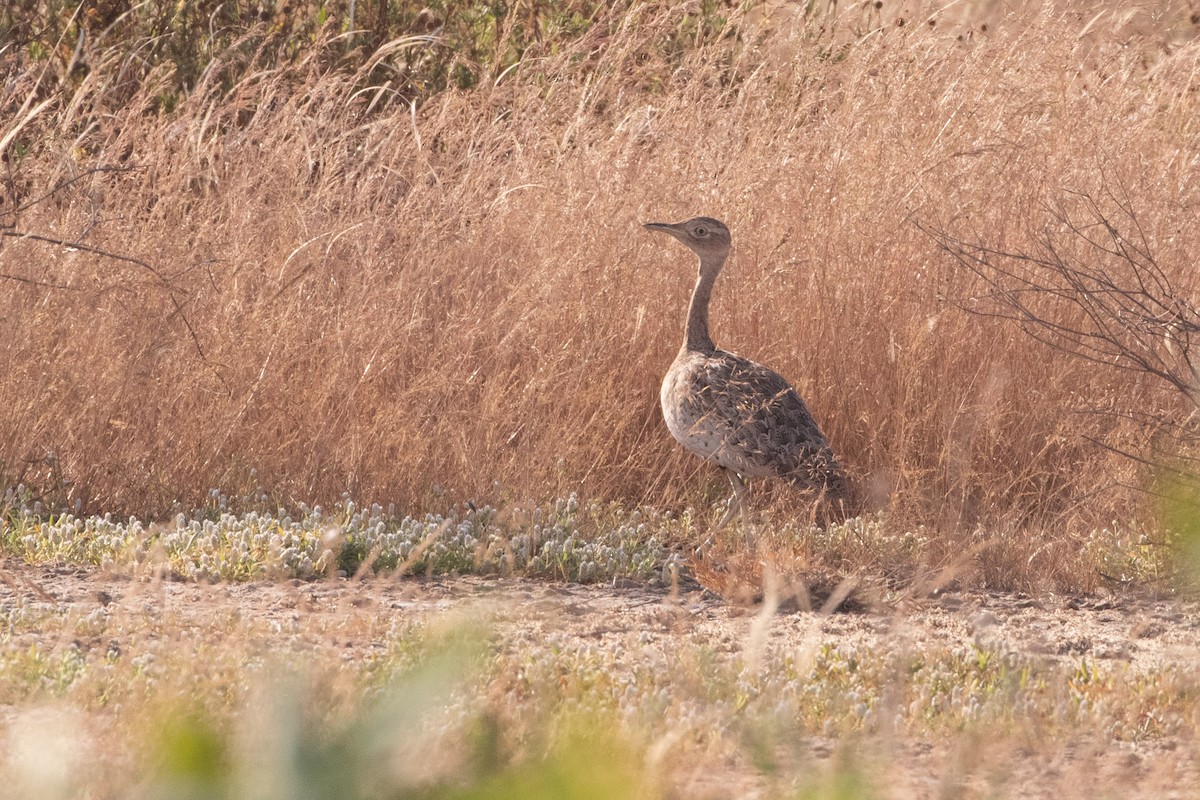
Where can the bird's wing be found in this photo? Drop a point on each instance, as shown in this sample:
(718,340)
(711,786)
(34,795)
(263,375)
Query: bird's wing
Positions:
(766,428)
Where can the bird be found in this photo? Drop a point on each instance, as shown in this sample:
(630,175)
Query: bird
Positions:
(743,417)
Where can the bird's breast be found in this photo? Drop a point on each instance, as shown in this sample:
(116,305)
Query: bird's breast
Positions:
(687,417)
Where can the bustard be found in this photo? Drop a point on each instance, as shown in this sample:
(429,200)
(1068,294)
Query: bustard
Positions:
(742,416)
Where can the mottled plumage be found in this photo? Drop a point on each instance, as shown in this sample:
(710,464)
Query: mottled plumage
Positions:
(740,415)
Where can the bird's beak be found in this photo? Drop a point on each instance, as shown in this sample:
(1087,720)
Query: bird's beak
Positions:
(665,227)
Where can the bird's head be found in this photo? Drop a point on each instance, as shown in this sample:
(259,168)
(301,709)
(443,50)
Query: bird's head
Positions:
(705,236)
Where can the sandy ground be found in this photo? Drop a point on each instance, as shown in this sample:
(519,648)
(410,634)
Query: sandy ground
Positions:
(1143,633)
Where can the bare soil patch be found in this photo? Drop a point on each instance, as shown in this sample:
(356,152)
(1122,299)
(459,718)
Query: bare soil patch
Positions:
(1145,632)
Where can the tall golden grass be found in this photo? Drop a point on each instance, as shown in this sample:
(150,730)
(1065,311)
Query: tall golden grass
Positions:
(329,289)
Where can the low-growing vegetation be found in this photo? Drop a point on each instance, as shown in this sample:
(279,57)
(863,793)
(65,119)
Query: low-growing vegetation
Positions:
(562,542)
(246,538)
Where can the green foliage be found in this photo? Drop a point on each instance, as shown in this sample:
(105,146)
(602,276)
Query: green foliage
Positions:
(590,765)
(849,780)
(194,758)
(1180,513)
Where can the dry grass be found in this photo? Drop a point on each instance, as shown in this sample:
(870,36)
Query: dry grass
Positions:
(331,290)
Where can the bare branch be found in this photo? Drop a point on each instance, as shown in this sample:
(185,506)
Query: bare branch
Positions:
(1092,291)
(172,289)
(87,248)
(31,282)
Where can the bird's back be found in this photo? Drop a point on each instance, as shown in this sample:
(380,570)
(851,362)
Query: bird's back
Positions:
(747,418)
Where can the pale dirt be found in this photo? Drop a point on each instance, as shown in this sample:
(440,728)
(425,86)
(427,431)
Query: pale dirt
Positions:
(1144,633)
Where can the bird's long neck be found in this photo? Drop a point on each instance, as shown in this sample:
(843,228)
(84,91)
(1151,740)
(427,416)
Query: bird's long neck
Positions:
(696,336)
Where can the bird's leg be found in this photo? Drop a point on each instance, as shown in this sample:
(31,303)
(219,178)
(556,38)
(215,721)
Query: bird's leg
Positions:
(737,506)
(734,504)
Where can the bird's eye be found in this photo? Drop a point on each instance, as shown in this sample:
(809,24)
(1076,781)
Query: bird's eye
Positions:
(702,231)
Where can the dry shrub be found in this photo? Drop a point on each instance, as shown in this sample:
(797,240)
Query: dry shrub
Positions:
(346,292)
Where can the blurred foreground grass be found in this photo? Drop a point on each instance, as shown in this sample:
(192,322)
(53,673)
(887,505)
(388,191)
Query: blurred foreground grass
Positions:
(216,705)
